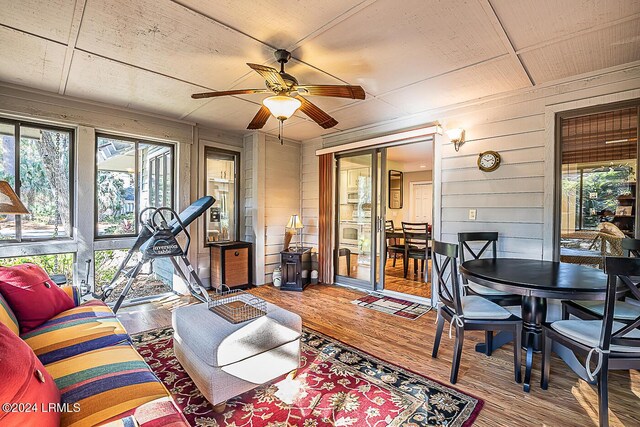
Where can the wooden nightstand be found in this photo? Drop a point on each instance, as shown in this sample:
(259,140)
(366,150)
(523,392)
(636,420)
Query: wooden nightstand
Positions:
(293,262)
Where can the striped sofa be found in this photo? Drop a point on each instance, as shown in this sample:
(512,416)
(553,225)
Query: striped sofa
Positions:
(100,375)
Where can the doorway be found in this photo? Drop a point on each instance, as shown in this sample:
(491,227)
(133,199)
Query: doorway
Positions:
(421,201)
(414,162)
(377,191)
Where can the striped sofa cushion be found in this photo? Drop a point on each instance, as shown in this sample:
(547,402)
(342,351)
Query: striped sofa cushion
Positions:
(86,327)
(104,383)
(7,317)
(73,292)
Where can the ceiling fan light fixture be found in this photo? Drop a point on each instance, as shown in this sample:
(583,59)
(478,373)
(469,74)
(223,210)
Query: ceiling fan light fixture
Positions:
(281,106)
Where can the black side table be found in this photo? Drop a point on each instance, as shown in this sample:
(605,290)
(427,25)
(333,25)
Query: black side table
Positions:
(293,261)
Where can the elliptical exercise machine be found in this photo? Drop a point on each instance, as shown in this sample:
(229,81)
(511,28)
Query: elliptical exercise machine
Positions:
(158,239)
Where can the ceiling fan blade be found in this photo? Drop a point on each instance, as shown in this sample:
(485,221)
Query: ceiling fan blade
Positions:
(336,91)
(271,75)
(316,114)
(228,92)
(260,118)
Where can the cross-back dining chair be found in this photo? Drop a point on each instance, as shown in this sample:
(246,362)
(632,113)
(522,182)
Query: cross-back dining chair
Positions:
(616,345)
(394,248)
(625,311)
(475,245)
(467,312)
(416,246)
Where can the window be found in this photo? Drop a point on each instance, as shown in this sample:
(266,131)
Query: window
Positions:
(599,163)
(36,160)
(221,170)
(131,175)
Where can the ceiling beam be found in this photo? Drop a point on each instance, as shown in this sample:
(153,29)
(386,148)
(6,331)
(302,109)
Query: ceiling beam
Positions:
(445,73)
(74,30)
(313,34)
(506,41)
(330,24)
(206,88)
(635,16)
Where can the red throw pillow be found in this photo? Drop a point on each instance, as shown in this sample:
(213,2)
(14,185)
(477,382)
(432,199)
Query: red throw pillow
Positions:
(32,295)
(27,391)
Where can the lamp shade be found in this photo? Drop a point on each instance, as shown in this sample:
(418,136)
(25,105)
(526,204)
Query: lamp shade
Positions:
(9,201)
(294,222)
(282,107)
(455,134)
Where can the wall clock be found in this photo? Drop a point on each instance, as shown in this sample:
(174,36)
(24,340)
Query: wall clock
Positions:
(488,161)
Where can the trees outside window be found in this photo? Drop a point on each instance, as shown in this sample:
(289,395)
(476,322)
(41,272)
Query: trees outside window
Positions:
(131,175)
(36,160)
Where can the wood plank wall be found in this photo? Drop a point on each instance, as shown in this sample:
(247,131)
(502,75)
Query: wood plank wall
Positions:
(310,192)
(282,197)
(511,199)
(247,233)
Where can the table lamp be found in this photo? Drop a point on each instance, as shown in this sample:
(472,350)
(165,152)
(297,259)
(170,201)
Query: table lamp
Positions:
(295,224)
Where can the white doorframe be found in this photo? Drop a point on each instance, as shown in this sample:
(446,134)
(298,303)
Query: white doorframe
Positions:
(436,228)
(411,202)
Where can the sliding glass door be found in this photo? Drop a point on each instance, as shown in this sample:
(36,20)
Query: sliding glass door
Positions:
(381,204)
(355,252)
(376,191)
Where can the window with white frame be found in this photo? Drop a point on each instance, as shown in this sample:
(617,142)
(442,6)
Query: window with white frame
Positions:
(131,175)
(36,160)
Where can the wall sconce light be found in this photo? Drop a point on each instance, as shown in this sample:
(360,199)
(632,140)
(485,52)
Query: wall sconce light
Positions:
(457,137)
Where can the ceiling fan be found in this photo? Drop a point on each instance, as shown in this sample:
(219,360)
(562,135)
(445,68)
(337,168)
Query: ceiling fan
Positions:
(287,98)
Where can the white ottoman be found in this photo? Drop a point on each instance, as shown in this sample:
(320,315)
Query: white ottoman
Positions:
(225,360)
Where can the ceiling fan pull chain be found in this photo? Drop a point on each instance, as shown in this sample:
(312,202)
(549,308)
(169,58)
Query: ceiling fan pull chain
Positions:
(280,128)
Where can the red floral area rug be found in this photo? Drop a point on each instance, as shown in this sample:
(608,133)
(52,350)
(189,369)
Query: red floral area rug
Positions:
(336,385)
(390,305)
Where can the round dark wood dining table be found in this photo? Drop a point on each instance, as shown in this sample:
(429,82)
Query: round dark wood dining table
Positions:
(535,280)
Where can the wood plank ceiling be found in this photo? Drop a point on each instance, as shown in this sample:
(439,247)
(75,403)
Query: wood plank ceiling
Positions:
(410,56)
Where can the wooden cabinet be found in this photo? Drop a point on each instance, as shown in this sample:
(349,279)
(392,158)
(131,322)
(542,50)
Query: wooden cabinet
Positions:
(231,264)
(354,175)
(293,263)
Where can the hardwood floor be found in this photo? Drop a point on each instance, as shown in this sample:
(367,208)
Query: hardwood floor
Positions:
(328,309)
(414,284)
(394,276)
